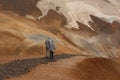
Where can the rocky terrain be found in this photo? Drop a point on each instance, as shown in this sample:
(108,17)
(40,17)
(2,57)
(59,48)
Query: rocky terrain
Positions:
(86,35)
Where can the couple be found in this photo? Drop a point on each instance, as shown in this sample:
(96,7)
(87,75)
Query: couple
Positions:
(50,48)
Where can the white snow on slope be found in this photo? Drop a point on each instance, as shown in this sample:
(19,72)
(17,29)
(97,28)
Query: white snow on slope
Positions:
(79,10)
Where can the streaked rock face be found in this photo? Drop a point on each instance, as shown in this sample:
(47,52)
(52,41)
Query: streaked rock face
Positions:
(92,26)
(79,10)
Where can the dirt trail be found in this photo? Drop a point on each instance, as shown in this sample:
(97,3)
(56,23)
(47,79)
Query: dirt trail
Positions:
(65,67)
(34,66)
(59,70)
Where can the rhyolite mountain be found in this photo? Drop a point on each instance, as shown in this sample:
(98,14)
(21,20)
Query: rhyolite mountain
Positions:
(90,27)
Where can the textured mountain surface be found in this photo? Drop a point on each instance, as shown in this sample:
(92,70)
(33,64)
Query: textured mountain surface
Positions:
(91,26)
(86,35)
(21,36)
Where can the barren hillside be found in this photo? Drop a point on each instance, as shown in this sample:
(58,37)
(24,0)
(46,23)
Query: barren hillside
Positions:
(86,35)
(23,36)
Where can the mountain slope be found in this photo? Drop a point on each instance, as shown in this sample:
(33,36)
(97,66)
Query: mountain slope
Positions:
(91,26)
(20,36)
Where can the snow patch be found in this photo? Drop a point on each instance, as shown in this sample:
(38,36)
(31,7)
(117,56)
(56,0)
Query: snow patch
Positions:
(80,11)
(76,10)
(30,17)
(115,2)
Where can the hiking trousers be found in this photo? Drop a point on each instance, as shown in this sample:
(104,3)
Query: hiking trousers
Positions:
(51,55)
(47,52)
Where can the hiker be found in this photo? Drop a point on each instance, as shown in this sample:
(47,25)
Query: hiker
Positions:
(52,49)
(47,47)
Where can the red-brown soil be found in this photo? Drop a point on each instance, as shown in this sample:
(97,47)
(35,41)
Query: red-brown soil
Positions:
(97,69)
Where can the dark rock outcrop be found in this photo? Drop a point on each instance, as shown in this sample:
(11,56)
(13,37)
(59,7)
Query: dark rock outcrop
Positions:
(21,7)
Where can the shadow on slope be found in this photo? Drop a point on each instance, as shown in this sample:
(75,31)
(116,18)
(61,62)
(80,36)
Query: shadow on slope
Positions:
(20,67)
(21,7)
(97,69)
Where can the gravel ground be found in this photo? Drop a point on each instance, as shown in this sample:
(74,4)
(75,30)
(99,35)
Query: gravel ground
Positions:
(19,67)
